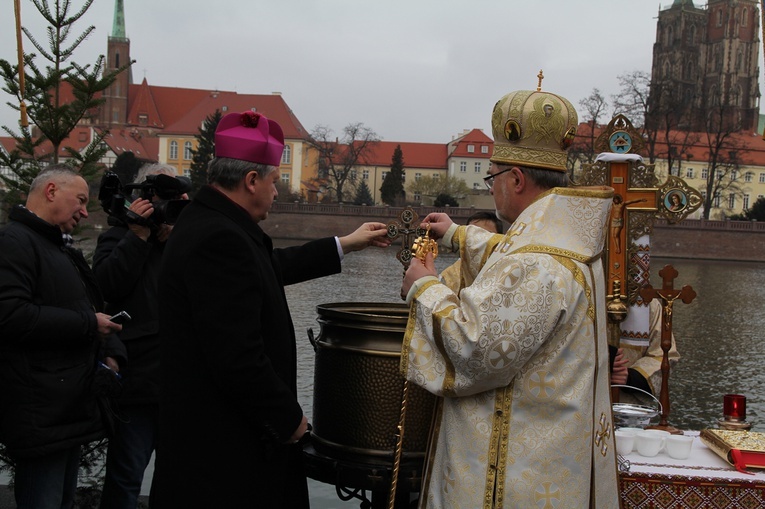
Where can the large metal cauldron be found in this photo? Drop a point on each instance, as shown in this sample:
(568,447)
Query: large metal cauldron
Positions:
(358,387)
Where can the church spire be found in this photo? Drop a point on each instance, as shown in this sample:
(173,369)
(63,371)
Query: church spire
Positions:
(118,29)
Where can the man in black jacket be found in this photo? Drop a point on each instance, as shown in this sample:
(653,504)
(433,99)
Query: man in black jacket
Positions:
(229,415)
(126,264)
(52,336)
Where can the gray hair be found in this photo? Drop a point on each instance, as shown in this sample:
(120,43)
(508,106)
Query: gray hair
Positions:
(154,169)
(546,179)
(228,173)
(57,172)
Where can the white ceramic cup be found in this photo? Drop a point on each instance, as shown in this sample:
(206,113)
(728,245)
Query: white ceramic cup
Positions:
(632,430)
(649,443)
(679,446)
(625,441)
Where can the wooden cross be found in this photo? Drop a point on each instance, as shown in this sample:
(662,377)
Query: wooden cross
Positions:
(404,229)
(668,296)
(630,199)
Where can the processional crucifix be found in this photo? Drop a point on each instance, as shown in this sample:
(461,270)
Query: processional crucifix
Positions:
(404,228)
(668,295)
(409,248)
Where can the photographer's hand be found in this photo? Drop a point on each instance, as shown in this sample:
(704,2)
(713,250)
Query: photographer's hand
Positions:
(144,209)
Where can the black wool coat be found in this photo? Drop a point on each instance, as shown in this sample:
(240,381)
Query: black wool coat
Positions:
(228,361)
(48,340)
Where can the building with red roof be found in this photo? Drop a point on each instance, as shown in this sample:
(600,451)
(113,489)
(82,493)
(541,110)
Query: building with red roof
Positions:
(742,161)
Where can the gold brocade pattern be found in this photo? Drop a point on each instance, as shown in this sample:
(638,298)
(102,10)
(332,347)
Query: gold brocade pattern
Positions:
(514,355)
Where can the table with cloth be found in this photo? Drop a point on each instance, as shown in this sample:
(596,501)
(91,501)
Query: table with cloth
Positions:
(704,480)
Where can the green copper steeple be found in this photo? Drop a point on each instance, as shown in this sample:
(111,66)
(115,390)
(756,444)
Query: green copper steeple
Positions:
(118,29)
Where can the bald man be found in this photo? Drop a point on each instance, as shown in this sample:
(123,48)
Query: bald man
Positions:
(52,337)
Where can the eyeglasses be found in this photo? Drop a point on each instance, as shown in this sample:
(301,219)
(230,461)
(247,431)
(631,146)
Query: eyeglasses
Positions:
(489,179)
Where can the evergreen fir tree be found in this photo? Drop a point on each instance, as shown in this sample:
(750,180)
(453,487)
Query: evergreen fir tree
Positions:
(40,89)
(204,152)
(363,195)
(392,190)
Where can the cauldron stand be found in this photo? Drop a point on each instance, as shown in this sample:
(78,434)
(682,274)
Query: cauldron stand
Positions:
(367,481)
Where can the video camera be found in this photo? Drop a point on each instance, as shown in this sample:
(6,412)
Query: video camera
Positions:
(116,198)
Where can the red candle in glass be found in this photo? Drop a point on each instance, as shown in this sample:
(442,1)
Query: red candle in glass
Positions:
(734,407)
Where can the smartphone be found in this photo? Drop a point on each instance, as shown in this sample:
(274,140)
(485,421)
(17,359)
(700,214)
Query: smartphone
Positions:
(120,317)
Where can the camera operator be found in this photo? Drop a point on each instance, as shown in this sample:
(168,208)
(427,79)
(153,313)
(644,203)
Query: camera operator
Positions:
(126,264)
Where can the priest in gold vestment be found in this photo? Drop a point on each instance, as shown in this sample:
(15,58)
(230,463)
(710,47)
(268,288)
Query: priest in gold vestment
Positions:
(518,354)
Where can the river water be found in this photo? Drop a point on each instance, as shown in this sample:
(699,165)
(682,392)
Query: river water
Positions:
(719,334)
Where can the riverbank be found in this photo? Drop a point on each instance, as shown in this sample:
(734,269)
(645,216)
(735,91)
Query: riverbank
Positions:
(693,239)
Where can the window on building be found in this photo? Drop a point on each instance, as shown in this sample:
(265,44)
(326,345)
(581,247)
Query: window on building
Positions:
(384,174)
(689,173)
(703,196)
(436,176)
(705,173)
(187,172)
(718,174)
(717,199)
(731,201)
(762,178)
(478,167)
(734,175)
(746,202)
(417,197)
(748,176)
(463,166)
(115,115)
(286,178)
(187,150)
(173,150)
(476,186)
(484,149)
(417,177)
(719,17)
(365,174)
(287,155)
(744,15)
(354,175)
(670,35)
(116,59)
(143,119)
(471,148)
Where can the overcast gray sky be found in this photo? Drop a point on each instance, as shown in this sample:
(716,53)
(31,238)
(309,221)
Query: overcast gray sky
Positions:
(414,70)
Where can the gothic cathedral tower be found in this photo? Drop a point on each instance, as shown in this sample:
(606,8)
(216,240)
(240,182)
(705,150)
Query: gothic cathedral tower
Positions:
(114,111)
(703,58)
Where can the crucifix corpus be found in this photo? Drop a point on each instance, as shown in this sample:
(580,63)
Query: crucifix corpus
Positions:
(668,295)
